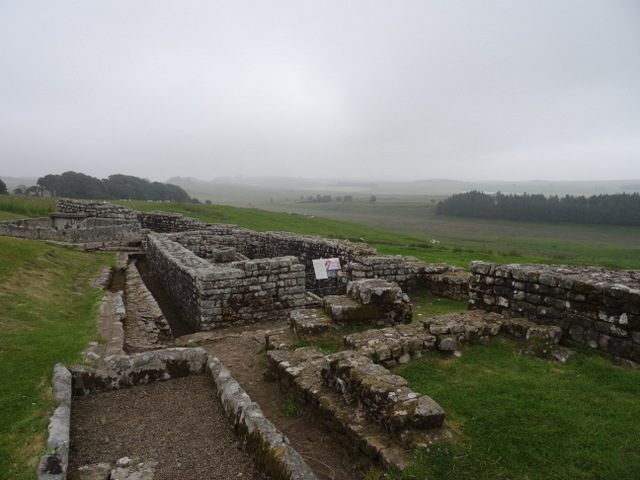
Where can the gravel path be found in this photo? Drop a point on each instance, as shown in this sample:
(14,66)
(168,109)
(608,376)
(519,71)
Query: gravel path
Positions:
(179,423)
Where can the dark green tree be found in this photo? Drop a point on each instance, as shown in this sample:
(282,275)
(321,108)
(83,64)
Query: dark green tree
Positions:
(617,209)
(78,185)
(3,188)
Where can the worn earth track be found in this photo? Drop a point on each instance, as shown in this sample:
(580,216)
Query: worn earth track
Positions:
(179,424)
(329,455)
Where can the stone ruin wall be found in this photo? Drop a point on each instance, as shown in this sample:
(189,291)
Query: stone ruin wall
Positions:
(358,260)
(596,307)
(593,306)
(89,232)
(96,209)
(216,295)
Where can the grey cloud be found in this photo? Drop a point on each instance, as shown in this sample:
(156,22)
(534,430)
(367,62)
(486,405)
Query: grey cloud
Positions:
(463,89)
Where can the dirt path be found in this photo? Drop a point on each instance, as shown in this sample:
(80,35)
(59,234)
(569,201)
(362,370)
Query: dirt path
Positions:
(178,423)
(320,447)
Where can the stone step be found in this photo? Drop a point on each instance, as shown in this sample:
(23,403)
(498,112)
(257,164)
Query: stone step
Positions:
(345,310)
(310,321)
(301,371)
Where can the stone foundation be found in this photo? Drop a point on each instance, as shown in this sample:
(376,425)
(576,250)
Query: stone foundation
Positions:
(89,233)
(213,295)
(265,443)
(358,260)
(373,408)
(383,398)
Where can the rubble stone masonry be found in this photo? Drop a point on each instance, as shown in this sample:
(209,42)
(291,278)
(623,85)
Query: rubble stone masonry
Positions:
(216,295)
(593,306)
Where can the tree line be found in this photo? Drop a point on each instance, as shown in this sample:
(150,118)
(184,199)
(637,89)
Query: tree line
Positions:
(613,209)
(79,185)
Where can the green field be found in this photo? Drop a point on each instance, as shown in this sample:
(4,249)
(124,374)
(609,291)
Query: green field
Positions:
(406,226)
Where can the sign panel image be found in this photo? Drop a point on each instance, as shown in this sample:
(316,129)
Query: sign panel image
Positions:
(327,268)
(334,270)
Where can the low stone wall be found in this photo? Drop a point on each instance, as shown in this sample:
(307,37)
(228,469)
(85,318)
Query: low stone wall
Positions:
(215,295)
(54,465)
(165,222)
(374,409)
(593,306)
(451,333)
(384,398)
(96,209)
(128,371)
(369,301)
(91,232)
(358,261)
(408,272)
(266,444)
(449,284)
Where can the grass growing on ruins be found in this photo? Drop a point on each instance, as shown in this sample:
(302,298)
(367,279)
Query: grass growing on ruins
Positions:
(518,417)
(47,315)
(426,305)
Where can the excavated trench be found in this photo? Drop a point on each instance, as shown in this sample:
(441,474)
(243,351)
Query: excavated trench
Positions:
(179,326)
(110,424)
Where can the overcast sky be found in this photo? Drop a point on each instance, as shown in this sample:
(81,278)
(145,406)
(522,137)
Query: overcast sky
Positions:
(372,89)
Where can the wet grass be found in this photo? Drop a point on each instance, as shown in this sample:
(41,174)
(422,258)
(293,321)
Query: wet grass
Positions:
(574,421)
(518,417)
(47,315)
(15,207)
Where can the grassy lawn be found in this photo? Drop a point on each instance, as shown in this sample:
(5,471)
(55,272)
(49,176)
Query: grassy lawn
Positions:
(47,315)
(517,417)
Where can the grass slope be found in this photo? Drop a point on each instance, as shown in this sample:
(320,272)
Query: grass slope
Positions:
(518,417)
(47,315)
(397,227)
